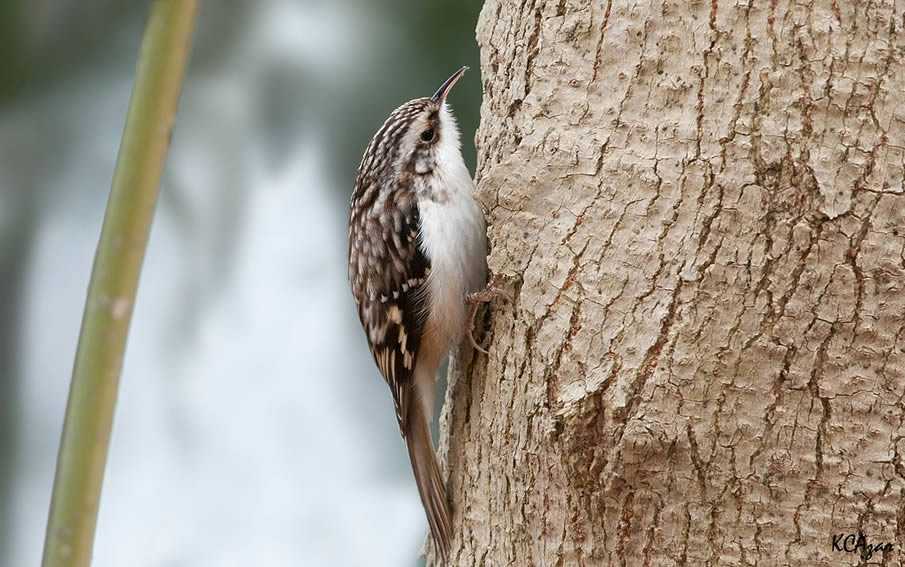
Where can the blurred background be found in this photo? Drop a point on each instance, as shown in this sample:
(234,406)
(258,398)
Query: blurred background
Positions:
(252,426)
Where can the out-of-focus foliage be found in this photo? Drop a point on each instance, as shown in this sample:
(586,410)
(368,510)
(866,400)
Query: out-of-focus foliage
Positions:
(269,81)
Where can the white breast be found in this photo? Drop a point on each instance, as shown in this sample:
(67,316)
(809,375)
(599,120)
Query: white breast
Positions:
(453,237)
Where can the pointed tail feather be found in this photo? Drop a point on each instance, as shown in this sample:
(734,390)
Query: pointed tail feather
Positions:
(430,482)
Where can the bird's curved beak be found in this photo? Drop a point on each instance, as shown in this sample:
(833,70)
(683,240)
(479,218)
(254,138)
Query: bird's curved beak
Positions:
(444,89)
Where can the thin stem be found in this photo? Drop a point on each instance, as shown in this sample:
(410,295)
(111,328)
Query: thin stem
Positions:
(114,278)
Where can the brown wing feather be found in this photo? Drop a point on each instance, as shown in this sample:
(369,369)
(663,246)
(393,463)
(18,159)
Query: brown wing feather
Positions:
(388,276)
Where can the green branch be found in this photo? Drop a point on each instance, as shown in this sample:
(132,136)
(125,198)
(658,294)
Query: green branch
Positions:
(114,278)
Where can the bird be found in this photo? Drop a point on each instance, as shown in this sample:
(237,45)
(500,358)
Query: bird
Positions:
(417,259)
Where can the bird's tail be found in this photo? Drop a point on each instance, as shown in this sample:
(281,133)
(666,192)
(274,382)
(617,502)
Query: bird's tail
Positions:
(430,482)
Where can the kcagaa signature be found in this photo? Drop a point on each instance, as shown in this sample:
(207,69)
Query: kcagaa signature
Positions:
(854,543)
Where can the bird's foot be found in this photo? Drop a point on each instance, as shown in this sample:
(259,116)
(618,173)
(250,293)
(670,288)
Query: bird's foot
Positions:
(489,292)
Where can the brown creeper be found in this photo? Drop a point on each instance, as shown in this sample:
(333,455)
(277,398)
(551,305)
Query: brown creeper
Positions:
(417,247)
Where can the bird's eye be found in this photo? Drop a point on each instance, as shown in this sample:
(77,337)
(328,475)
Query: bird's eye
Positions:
(427,135)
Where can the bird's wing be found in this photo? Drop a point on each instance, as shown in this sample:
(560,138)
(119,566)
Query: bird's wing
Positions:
(392,307)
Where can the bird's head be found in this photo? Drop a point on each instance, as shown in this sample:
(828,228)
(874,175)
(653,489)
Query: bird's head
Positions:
(416,138)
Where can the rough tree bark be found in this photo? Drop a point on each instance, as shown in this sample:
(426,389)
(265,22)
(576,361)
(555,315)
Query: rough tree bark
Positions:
(701,210)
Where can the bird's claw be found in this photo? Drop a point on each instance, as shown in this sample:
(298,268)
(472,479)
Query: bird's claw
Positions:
(474,343)
(489,292)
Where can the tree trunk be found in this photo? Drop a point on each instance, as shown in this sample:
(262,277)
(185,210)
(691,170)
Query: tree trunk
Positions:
(700,208)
